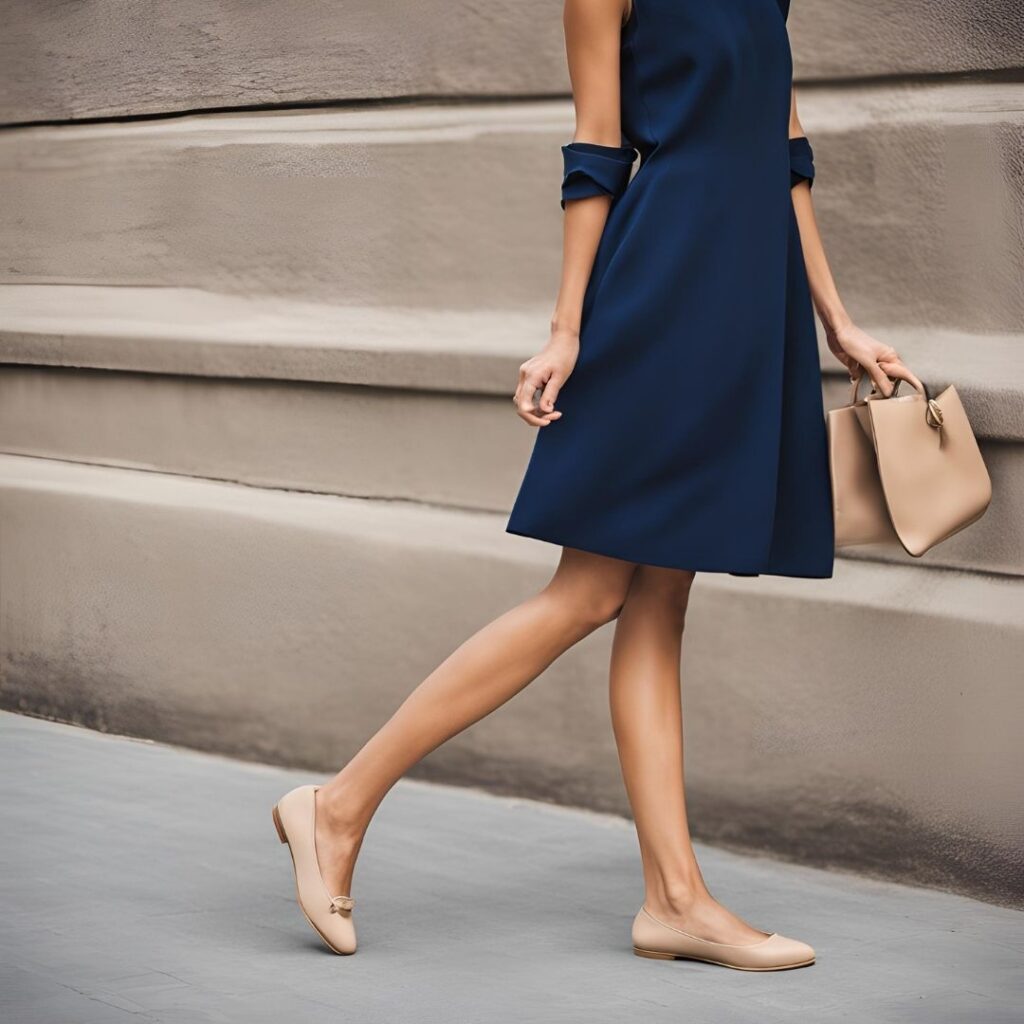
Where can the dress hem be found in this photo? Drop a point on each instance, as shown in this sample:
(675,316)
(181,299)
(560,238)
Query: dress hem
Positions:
(689,567)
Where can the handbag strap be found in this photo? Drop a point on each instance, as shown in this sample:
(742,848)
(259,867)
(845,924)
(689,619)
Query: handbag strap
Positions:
(932,409)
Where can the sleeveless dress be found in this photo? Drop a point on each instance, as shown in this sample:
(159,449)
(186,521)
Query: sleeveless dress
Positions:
(692,433)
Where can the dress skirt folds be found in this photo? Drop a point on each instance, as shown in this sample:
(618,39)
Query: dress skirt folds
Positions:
(692,433)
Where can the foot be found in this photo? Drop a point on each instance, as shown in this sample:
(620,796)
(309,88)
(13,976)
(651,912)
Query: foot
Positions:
(337,844)
(329,912)
(701,915)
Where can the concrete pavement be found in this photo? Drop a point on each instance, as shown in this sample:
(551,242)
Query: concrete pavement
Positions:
(144,883)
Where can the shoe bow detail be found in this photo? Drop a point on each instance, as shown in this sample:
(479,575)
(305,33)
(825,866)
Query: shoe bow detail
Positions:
(341,904)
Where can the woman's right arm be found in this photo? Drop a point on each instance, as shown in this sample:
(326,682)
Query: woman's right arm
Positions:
(592,40)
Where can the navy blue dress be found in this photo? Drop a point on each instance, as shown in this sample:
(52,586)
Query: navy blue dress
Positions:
(692,433)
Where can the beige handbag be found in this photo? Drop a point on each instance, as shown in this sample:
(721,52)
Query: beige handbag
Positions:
(905,469)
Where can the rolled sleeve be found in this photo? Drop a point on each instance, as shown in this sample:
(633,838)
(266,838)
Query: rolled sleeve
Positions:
(801,162)
(592,170)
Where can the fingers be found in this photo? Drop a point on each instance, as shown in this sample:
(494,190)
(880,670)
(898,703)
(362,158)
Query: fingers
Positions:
(879,379)
(894,368)
(550,393)
(537,421)
(890,363)
(853,368)
(860,353)
(531,380)
(884,372)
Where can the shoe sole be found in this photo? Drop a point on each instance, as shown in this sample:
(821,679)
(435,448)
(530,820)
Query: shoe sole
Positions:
(283,836)
(650,954)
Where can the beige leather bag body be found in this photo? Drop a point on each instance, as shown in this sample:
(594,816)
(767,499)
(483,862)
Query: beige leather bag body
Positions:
(905,469)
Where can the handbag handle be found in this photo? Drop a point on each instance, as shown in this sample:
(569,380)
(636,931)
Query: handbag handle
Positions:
(932,409)
(874,393)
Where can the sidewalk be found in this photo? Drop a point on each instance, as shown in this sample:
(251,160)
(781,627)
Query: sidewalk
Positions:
(145,883)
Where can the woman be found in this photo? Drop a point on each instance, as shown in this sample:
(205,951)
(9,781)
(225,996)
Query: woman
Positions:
(681,430)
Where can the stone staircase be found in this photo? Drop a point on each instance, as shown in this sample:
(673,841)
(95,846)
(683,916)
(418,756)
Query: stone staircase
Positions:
(258,446)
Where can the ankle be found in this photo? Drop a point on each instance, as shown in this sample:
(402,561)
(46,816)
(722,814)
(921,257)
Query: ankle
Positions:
(675,899)
(336,810)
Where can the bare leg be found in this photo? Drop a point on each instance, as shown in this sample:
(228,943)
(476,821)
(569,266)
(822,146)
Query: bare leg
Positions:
(490,668)
(647,719)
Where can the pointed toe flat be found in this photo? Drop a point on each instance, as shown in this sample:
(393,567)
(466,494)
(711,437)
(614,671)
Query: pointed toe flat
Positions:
(331,916)
(659,941)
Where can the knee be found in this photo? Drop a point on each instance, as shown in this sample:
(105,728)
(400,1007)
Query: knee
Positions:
(601,606)
(591,605)
(667,590)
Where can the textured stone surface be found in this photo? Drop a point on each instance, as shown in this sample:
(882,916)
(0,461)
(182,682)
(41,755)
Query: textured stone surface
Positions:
(451,449)
(108,58)
(875,713)
(440,867)
(251,390)
(367,208)
(465,450)
(920,192)
(861,38)
(193,332)
(921,197)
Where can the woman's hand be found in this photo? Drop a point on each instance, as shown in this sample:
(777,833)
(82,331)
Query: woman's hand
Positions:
(859,352)
(546,372)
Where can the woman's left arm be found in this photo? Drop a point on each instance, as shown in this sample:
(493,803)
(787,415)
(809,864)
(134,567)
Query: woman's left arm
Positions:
(853,347)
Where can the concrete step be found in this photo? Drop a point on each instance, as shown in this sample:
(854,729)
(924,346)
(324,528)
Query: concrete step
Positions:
(380,207)
(875,38)
(921,201)
(409,405)
(873,714)
(61,61)
(193,332)
(465,450)
(384,207)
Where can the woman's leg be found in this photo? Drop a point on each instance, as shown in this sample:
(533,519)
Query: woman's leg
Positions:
(647,719)
(490,668)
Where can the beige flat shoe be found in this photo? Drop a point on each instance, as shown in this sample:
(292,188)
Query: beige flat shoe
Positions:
(659,941)
(330,916)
